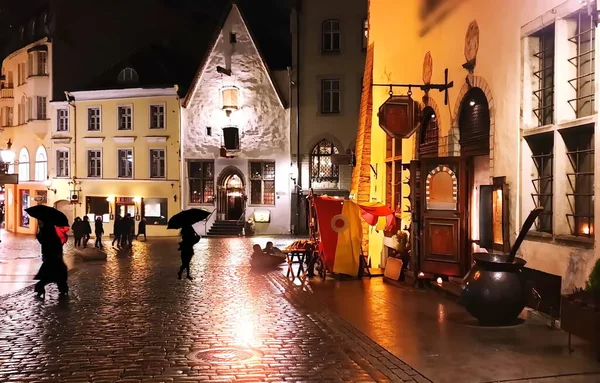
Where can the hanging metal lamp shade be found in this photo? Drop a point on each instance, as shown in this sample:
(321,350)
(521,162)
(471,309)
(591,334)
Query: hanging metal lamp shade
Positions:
(229,98)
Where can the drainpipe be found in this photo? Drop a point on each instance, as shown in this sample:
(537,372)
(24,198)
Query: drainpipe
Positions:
(71,102)
(298,157)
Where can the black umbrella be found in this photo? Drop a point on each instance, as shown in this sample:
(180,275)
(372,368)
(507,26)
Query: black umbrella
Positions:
(48,215)
(187,218)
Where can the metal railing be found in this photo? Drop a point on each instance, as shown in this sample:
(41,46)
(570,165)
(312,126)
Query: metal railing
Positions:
(208,218)
(6,93)
(242,216)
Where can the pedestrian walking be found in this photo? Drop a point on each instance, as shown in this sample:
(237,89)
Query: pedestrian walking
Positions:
(188,239)
(77,228)
(125,230)
(53,269)
(99,231)
(130,229)
(117,230)
(87,230)
(142,229)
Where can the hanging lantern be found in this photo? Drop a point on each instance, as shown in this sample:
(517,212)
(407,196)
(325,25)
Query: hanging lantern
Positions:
(229,98)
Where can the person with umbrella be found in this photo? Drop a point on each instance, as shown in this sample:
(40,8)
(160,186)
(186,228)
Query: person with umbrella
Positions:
(184,221)
(52,235)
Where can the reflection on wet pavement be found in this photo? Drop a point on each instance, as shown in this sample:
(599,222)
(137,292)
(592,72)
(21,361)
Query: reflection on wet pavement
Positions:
(131,318)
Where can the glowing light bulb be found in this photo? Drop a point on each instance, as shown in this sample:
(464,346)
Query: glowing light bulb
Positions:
(439,280)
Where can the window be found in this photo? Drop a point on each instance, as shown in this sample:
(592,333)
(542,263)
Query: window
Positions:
(155,211)
(231,138)
(322,168)
(21,73)
(262,183)
(94,119)
(22,108)
(365,34)
(24,198)
(331,36)
(41,108)
(583,41)
(7,116)
(542,155)
(393,173)
(202,181)
(579,142)
(41,164)
(63,120)
(543,75)
(124,115)
(157,163)
(157,116)
(62,163)
(94,159)
(98,206)
(42,63)
(24,165)
(128,76)
(125,163)
(330,96)
(30,63)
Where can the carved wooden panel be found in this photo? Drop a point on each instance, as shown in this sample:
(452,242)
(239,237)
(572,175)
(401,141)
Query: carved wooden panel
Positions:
(441,248)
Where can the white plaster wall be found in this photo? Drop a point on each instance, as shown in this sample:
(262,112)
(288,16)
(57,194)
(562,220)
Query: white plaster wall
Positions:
(262,120)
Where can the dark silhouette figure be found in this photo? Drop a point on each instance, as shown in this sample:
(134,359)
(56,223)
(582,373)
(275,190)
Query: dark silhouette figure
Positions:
(141,229)
(87,230)
(53,269)
(99,231)
(188,239)
(125,230)
(117,230)
(77,228)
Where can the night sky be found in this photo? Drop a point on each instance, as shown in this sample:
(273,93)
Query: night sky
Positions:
(90,37)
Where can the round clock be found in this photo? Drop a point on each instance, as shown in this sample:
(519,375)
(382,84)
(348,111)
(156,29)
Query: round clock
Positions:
(472,41)
(427,68)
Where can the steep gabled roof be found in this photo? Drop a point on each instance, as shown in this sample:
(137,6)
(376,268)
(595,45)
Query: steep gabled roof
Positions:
(194,85)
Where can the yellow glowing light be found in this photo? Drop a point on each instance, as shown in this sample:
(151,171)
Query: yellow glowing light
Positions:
(585,229)
(421,274)
(110,199)
(137,199)
(440,280)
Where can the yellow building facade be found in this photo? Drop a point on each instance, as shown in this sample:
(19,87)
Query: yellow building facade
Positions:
(116,152)
(26,88)
(534,105)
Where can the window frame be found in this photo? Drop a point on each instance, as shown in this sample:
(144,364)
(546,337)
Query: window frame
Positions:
(60,119)
(122,106)
(365,34)
(132,164)
(24,166)
(332,91)
(262,180)
(543,118)
(161,221)
(89,170)
(66,160)
(538,145)
(135,78)
(328,34)
(335,169)
(99,108)
(41,101)
(164,115)
(203,178)
(150,158)
(588,79)
(38,163)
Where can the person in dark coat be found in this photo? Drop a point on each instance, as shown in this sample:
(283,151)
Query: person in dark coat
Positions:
(53,269)
(87,230)
(99,231)
(117,230)
(125,230)
(131,231)
(141,229)
(77,228)
(188,239)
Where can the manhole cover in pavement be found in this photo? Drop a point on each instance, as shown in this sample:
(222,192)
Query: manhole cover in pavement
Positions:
(224,355)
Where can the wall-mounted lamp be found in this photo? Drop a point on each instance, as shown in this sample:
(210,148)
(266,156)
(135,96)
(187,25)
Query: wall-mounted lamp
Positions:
(48,184)
(110,201)
(229,99)
(137,201)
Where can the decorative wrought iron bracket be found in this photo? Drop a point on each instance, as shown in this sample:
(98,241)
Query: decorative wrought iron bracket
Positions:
(424,87)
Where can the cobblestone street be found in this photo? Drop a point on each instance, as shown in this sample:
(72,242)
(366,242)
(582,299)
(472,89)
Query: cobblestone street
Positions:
(130,320)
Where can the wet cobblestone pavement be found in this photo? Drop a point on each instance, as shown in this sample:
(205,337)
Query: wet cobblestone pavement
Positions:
(130,320)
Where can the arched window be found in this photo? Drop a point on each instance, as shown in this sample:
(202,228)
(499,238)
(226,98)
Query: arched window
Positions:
(24,165)
(128,76)
(428,140)
(331,36)
(322,168)
(41,164)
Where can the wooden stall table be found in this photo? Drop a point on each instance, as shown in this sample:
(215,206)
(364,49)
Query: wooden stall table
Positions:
(296,255)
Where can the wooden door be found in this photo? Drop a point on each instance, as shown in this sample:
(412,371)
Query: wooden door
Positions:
(443,216)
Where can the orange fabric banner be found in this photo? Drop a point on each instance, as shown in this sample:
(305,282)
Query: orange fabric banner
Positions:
(340,233)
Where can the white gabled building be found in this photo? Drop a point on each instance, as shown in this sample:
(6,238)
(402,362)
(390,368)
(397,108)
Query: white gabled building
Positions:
(235,143)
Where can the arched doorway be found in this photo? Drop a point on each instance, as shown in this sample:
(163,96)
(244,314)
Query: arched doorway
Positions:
(474,124)
(67,208)
(231,200)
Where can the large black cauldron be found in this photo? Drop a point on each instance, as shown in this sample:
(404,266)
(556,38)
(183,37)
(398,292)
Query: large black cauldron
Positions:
(494,290)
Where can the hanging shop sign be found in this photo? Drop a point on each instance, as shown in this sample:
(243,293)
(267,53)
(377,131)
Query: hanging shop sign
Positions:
(399,116)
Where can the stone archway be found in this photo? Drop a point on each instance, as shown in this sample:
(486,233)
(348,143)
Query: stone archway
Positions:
(231,196)
(454,148)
